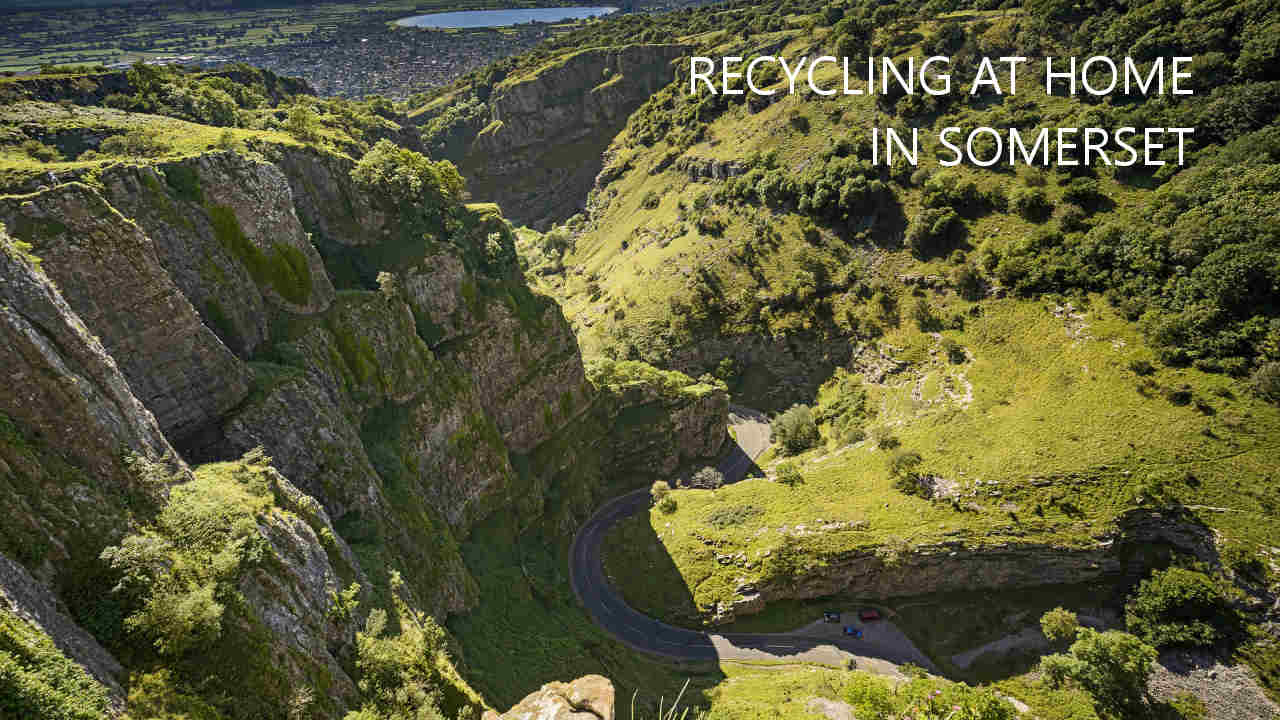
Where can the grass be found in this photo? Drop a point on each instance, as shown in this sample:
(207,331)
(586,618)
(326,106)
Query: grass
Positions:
(1054,446)
(175,138)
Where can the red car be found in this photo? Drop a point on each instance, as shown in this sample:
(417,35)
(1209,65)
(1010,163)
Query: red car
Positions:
(868,615)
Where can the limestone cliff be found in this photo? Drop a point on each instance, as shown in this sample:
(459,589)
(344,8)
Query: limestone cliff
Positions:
(403,378)
(541,149)
(1126,552)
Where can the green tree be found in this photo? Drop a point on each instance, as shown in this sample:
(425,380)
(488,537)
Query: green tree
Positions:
(1178,606)
(795,430)
(1059,625)
(659,490)
(789,474)
(1114,667)
(303,123)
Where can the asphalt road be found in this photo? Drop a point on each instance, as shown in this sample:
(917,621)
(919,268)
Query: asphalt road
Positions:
(882,644)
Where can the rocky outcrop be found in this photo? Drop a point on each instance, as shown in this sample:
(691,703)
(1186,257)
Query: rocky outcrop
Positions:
(541,151)
(655,431)
(885,572)
(70,431)
(110,273)
(27,598)
(225,229)
(403,416)
(773,373)
(291,599)
(590,697)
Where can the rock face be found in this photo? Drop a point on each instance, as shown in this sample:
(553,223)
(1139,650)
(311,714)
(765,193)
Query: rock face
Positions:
(947,567)
(111,275)
(68,426)
(590,697)
(774,372)
(402,416)
(28,599)
(541,150)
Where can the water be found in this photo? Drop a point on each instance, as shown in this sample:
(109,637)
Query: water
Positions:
(500,18)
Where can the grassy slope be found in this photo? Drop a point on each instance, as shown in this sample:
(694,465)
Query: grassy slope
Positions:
(174,138)
(1045,406)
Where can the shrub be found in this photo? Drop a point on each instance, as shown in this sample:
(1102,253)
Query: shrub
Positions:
(408,177)
(883,438)
(904,463)
(403,675)
(968,281)
(1141,366)
(37,150)
(668,504)
(708,478)
(1114,667)
(134,143)
(1265,381)
(38,681)
(303,123)
(1031,203)
(954,350)
(1059,625)
(789,474)
(1178,606)
(733,515)
(659,490)
(931,230)
(926,319)
(795,430)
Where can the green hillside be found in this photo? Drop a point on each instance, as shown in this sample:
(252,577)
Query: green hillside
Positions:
(300,425)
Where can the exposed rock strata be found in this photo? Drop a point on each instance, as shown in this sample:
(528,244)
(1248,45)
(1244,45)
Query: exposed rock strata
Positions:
(541,150)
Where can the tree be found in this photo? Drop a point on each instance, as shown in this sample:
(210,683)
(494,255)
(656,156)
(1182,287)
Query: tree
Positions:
(1113,666)
(1178,606)
(1059,625)
(795,430)
(659,490)
(303,123)
(789,474)
(708,478)
(401,676)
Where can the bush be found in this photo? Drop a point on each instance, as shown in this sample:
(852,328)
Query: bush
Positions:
(135,143)
(883,438)
(37,150)
(1031,203)
(1114,667)
(38,681)
(733,515)
(789,474)
(1178,607)
(708,478)
(408,177)
(1265,381)
(954,350)
(926,319)
(930,231)
(968,281)
(795,430)
(303,123)
(668,504)
(659,490)
(1059,625)
(403,675)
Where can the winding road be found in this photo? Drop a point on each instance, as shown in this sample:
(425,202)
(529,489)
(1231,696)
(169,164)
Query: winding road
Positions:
(881,647)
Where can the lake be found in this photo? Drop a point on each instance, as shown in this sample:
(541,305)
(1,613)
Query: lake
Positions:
(500,18)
